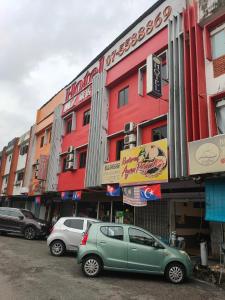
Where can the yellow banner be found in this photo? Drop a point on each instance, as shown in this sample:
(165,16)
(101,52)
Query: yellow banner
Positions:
(144,164)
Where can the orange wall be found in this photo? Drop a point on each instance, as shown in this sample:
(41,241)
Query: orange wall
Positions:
(49,108)
(44,119)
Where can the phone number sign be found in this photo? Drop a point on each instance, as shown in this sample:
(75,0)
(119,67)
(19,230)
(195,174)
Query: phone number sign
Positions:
(148,27)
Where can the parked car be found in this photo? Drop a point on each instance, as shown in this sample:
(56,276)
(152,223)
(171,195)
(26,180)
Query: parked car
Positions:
(22,221)
(123,247)
(67,233)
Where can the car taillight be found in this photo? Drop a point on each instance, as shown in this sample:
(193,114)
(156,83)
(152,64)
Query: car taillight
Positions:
(51,229)
(84,239)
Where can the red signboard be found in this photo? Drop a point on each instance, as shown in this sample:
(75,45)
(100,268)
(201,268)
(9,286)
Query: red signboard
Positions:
(42,168)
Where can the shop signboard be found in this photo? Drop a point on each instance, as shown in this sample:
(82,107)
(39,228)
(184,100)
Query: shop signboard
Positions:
(207,155)
(155,21)
(111,172)
(144,164)
(43,167)
(154,76)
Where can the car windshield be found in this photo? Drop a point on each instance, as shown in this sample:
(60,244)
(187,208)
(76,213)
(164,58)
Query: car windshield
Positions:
(28,214)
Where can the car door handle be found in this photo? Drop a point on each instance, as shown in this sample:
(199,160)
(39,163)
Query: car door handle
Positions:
(102,242)
(134,249)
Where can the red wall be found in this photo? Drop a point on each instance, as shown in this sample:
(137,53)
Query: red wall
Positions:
(138,109)
(74,180)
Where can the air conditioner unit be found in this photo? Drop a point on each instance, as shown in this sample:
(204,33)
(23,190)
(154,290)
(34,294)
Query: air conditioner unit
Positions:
(70,149)
(129,146)
(130,139)
(70,165)
(70,157)
(37,165)
(129,127)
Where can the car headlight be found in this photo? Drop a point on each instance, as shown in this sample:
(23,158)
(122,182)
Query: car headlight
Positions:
(185,253)
(41,224)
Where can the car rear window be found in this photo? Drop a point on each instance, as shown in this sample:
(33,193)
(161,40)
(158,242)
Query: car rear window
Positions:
(74,223)
(114,232)
(4,212)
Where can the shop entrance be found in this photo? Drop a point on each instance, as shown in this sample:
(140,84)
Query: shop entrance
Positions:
(189,222)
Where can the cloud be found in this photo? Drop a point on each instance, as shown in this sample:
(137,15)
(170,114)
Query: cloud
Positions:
(45,44)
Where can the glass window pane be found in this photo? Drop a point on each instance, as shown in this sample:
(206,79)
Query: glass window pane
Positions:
(139,237)
(126,96)
(114,232)
(220,119)
(218,44)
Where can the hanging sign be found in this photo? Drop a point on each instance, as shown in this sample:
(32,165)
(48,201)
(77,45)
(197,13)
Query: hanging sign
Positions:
(154,76)
(144,164)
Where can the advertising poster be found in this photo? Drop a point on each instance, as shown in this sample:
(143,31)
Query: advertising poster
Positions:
(144,164)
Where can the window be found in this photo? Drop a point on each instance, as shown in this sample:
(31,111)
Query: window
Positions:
(68,125)
(74,223)
(64,165)
(83,156)
(4,212)
(23,149)
(119,147)
(140,237)
(123,97)
(28,214)
(86,119)
(164,70)
(220,116)
(10,157)
(20,176)
(50,136)
(218,42)
(42,141)
(14,213)
(159,133)
(114,232)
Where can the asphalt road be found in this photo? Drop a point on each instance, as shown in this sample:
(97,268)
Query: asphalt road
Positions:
(28,271)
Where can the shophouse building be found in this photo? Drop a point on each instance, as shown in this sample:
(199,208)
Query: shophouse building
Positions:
(114,102)
(19,194)
(207,152)
(42,159)
(9,160)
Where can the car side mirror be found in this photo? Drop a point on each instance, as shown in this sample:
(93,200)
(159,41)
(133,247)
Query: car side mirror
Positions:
(158,245)
(21,217)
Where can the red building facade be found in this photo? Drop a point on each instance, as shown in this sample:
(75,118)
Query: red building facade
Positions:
(111,92)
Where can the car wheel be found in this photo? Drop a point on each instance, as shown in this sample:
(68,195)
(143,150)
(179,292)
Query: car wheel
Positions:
(175,273)
(29,233)
(91,266)
(57,248)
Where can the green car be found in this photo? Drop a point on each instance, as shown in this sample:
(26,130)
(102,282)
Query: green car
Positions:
(123,247)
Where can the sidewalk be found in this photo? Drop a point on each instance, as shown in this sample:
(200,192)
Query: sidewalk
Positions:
(211,273)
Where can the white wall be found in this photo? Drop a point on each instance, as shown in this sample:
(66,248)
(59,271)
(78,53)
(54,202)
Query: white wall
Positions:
(4,184)
(8,163)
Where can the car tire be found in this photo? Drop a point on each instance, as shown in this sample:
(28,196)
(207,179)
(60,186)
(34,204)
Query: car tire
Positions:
(91,266)
(175,273)
(29,233)
(57,248)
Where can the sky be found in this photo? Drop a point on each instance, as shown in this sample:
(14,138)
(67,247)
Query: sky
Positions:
(44,44)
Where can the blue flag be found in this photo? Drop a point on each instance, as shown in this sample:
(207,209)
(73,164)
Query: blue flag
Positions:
(113,190)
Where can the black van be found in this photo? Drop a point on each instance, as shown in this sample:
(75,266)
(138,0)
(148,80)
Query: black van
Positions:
(22,221)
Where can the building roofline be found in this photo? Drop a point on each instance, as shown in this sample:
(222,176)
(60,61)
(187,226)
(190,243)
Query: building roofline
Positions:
(138,20)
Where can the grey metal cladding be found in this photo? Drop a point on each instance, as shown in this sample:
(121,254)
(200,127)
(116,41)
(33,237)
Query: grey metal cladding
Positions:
(30,158)
(54,158)
(97,143)
(177,111)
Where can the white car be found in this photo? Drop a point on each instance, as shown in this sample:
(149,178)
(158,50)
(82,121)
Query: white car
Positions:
(67,233)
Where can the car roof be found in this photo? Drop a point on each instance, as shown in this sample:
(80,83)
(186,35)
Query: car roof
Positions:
(9,208)
(79,218)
